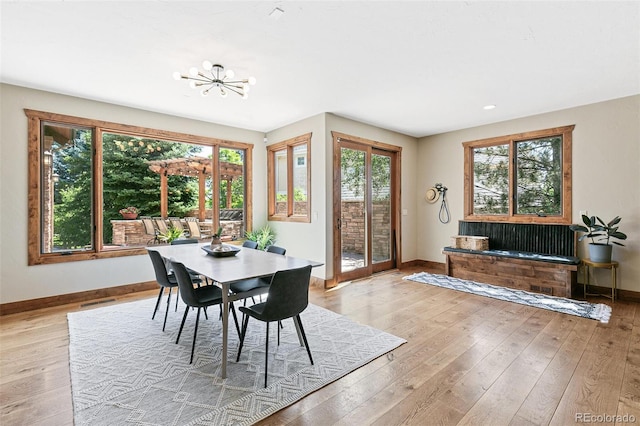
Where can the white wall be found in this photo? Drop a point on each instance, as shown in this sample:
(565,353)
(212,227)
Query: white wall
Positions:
(315,240)
(606,176)
(305,240)
(21,282)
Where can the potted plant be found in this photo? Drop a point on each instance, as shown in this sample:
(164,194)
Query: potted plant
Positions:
(172,233)
(595,229)
(263,236)
(129,212)
(215,238)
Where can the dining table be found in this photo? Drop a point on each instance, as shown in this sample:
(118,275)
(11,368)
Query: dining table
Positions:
(223,269)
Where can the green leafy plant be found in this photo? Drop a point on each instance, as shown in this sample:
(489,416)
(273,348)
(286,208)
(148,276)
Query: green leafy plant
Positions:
(172,233)
(597,230)
(263,236)
(218,233)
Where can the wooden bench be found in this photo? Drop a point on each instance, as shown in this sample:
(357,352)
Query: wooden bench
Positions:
(531,257)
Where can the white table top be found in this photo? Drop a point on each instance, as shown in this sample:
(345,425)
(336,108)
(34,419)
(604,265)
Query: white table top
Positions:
(248,263)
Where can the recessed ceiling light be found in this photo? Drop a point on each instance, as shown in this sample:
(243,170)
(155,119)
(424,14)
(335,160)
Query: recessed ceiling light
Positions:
(276,13)
(488,107)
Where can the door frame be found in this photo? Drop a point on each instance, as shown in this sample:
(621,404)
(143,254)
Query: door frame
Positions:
(396,255)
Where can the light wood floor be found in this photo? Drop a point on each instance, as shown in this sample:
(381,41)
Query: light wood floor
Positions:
(468,360)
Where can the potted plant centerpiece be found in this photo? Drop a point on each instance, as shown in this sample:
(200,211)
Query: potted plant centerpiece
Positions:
(129,212)
(216,239)
(597,230)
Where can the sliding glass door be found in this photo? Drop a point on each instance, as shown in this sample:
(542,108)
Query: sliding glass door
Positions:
(364,209)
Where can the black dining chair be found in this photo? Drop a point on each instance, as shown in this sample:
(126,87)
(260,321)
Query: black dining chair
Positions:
(288,297)
(165,279)
(276,250)
(250,244)
(197,297)
(194,274)
(262,283)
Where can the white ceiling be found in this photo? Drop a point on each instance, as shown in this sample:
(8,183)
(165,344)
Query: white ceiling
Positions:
(416,67)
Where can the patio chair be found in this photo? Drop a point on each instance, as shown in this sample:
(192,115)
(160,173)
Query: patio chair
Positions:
(150,229)
(161,225)
(194,228)
(177,223)
(288,297)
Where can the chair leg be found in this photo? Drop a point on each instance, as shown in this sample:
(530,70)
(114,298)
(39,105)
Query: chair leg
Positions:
(157,303)
(278,327)
(166,313)
(245,322)
(266,355)
(235,317)
(304,337)
(184,318)
(177,297)
(195,333)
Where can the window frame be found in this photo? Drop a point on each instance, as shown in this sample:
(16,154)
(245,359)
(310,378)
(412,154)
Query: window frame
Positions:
(35,121)
(565,218)
(289,146)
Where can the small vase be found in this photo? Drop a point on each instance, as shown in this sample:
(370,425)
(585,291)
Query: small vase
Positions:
(600,253)
(215,242)
(129,216)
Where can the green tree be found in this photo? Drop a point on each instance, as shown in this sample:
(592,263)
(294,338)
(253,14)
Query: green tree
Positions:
(538,177)
(232,156)
(353,173)
(127,181)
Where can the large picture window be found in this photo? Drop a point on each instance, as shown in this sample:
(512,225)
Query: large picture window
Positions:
(289,179)
(519,178)
(84,172)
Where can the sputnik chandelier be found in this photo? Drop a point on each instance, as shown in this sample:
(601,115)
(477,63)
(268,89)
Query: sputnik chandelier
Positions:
(215,75)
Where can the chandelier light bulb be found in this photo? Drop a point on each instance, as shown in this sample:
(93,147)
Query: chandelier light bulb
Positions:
(207,65)
(245,95)
(192,84)
(223,93)
(177,75)
(229,74)
(252,80)
(193,72)
(245,87)
(205,93)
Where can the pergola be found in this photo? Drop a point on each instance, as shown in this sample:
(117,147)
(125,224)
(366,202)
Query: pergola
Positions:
(194,167)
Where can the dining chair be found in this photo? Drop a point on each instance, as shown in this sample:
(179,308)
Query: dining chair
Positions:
(194,228)
(277,250)
(288,297)
(179,241)
(250,244)
(255,283)
(150,229)
(165,280)
(197,297)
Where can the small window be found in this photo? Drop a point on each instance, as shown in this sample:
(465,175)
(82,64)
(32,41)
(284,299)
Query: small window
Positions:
(520,178)
(290,179)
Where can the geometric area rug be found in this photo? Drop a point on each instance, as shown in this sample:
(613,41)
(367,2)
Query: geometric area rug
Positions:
(126,371)
(600,311)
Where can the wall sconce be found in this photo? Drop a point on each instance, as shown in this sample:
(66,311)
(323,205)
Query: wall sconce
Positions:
(55,178)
